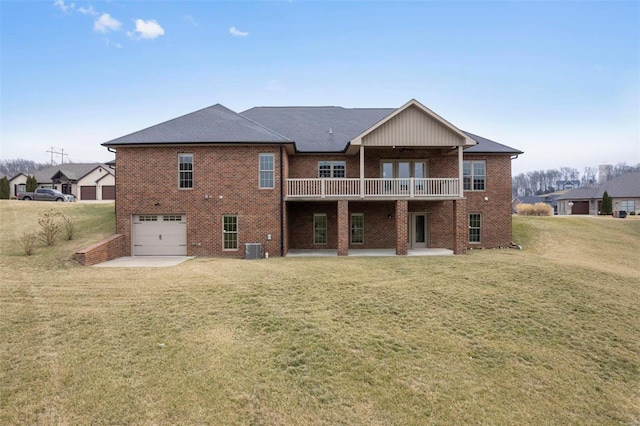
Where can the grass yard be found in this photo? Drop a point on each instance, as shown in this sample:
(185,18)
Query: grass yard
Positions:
(547,335)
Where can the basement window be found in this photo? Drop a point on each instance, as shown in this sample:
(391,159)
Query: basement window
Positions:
(320,228)
(357,228)
(475,227)
(230,232)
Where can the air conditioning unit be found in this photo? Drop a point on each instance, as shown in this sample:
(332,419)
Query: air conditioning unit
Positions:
(252,250)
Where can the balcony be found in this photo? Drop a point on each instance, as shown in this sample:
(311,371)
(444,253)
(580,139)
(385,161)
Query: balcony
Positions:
(374,189)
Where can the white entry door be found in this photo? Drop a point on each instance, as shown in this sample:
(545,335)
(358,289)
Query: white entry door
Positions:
(159,235)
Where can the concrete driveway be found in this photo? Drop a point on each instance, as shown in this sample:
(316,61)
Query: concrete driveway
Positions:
(143,262)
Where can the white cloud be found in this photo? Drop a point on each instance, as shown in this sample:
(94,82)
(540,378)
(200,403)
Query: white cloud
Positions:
(66,8)
(87,11)
(106,23)
(237,33)
(147,29)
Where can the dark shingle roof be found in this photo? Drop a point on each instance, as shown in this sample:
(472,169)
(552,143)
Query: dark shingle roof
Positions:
(73,171)
(626,185)
(318,129)
(487,146)
(312,129)
(214,124)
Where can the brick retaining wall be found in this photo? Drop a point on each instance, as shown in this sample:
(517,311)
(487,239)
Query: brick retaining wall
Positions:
(111,248)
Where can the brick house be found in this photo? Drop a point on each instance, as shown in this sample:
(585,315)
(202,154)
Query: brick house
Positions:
(310,178)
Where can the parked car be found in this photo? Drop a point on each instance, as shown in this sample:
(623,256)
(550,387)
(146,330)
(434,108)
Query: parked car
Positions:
(45,194)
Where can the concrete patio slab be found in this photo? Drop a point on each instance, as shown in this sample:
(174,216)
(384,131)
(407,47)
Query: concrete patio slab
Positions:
(371,252)
(143,262)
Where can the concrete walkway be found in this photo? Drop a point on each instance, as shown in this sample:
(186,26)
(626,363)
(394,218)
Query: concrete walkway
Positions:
(143,262)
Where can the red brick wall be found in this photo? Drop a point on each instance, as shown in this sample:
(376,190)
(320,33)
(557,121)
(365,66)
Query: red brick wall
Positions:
(111,248)
(496,211)
(229,176)
(147,183)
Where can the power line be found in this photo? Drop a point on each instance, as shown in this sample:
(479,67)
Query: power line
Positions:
(57,151)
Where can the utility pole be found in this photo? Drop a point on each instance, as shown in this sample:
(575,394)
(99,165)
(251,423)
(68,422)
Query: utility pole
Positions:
(57,151)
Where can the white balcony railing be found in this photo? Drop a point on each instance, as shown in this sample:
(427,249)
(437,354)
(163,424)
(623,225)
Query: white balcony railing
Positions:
(373,188)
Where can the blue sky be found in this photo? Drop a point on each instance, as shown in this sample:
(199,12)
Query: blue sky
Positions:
(558,80)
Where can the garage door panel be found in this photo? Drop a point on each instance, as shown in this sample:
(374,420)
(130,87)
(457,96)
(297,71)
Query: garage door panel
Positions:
(159,235)
(109,192)
(87,192)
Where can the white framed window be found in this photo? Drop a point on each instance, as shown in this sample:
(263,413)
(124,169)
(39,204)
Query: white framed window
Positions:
(319,228)
(230,232)
(332,169)
(148,218)
(266,171)
(357,228)
(474,175)
(185,171)
(475,227)
(172,218)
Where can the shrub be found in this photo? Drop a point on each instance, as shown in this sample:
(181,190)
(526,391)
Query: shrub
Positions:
(50,227)
(31,184)
(28,242)
(607,203)
(69,226)
(525,209)
(543,209)
(539,209)
(5,188)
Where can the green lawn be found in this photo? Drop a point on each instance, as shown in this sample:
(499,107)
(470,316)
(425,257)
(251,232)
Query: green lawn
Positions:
(547,335)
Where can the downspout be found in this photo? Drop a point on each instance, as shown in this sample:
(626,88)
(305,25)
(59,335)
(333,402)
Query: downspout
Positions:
(281,205)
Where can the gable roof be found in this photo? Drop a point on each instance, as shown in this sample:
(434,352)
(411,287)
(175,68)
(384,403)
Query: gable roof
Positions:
(213,124)
(415,104)
(626,185)
(72,171)
(318,129)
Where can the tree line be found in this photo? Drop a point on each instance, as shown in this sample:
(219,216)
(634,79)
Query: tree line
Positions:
(539,182)
(19,165)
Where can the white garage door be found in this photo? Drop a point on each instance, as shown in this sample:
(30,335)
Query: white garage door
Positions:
(159,235)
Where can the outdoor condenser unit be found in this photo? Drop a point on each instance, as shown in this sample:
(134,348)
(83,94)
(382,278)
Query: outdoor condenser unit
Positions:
(252,250)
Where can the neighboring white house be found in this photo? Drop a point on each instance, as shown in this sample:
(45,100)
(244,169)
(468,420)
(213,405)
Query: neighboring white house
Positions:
(18,183)
(86,181)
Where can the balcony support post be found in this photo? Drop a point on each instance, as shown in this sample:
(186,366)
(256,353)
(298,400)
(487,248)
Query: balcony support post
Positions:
(362,171)
(343,228)
(460,173)
(402,218)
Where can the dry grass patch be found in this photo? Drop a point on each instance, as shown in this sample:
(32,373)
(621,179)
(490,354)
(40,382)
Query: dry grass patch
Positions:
(495,337)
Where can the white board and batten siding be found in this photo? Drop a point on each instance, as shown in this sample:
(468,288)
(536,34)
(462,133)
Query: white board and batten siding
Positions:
(159,235)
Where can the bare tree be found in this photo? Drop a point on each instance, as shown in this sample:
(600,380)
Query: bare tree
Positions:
(20,165)
(589,176)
